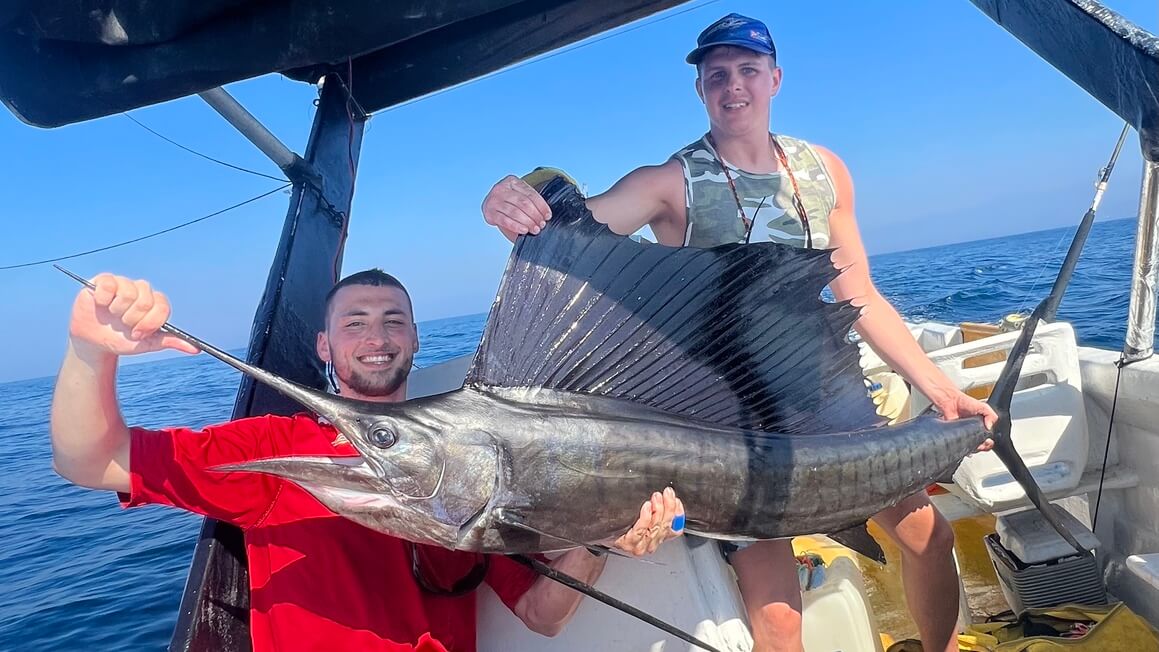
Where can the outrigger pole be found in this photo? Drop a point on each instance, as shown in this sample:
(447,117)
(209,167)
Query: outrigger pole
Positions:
(1080,236)
(254,131)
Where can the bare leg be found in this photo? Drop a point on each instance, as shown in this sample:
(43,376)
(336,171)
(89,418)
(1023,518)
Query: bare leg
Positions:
(926,541)
(767,575)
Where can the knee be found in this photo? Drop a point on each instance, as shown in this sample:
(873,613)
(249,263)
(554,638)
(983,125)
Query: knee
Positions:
(937,543)
(780,620)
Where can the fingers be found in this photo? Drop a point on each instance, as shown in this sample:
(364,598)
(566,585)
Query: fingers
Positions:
(670,524)
(123,298)
(661,518)
(533,199)
(141,306)
(135,305)
(516,207)
(646,526)
(663,506)
(149,324)
(989,418)
(132,308)
(986,445)
(105,289)
(156,314)
(975,407)
(513,218)
(963,405)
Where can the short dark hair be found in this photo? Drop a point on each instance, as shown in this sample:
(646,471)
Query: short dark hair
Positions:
(374,277)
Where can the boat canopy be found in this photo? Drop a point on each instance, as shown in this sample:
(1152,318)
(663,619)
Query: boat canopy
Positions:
(67,61)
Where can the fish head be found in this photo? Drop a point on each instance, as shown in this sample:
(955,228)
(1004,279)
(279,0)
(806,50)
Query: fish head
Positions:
(416,475)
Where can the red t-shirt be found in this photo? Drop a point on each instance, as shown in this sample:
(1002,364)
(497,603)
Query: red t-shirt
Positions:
(317,580)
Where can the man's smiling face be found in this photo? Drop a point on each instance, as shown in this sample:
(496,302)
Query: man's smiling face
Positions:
(371,340)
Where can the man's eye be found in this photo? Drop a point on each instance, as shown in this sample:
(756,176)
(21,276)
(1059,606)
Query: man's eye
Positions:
(353,324)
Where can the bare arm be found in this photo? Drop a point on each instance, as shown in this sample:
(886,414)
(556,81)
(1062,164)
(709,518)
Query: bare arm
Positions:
(548,605)
(90,441)
(880,325)
(648,196)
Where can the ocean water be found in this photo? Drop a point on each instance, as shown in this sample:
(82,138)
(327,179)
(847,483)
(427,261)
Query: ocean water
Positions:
(77,572)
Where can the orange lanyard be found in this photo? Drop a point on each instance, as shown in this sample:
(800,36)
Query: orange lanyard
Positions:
(797,203)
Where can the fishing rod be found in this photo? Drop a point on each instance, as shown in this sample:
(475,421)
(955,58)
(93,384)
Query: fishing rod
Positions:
(1080,237)
(596,594)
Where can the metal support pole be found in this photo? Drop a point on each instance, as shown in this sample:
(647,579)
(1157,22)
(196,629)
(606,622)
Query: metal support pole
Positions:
(214,612)
(1140,341)
(254,131)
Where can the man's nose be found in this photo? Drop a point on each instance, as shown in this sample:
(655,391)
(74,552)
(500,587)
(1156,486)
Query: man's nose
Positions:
(376,334)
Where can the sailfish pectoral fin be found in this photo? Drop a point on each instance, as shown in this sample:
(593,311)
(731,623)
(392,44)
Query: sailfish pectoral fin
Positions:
(858,539)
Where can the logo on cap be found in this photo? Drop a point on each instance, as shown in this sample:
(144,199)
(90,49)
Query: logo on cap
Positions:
(728,23)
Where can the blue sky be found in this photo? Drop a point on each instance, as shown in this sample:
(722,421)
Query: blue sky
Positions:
(952,129)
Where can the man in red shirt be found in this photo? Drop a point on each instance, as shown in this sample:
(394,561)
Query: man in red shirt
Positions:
(317,580)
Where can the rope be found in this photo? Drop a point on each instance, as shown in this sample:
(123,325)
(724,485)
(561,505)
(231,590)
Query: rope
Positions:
(146,237)
(1119,364)
(197,153)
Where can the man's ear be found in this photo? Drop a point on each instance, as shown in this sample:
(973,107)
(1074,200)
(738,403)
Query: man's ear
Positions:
(322,347)
(415,328)
(777,73)
(699,90)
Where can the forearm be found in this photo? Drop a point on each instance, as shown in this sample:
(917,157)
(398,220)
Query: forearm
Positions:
(882,328)
(548,605)
(90,440)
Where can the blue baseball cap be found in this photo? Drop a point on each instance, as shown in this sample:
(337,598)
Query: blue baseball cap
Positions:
(734,29)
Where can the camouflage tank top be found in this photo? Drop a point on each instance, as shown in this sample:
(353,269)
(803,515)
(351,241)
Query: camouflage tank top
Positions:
(767,199)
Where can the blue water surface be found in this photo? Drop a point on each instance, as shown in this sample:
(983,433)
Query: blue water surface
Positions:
(77,572)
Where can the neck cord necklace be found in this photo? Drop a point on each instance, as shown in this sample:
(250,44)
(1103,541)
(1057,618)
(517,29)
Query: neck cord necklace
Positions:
(797,204)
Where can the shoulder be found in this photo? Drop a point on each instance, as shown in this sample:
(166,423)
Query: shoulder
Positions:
(827,155)
(691,149)
(669,171)
(833,164)
(657,182)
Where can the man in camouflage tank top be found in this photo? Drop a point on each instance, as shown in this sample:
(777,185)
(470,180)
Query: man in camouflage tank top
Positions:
(741,183)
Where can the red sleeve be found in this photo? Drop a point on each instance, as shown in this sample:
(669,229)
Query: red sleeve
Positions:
(511,579)
(172,467)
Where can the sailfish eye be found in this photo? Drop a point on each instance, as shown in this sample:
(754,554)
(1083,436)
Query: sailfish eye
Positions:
(383,436)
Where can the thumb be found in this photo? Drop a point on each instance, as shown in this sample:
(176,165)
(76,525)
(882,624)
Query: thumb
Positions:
(177,344)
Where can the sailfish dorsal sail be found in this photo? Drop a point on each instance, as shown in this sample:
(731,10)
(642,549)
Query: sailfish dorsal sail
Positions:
(734,335)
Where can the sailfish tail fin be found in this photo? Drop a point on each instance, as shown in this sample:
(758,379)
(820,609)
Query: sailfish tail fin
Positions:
(1000,399)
